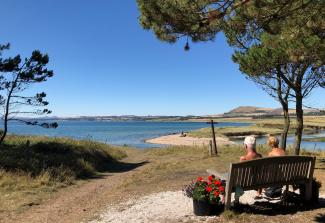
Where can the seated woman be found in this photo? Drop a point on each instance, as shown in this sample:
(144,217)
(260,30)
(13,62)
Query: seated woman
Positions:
(273,143)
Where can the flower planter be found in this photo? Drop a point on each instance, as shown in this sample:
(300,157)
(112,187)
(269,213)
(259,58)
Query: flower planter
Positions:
(208,195)
(204,208)
(201,207)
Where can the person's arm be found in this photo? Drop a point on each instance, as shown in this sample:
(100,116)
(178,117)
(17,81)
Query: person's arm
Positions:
(242,158)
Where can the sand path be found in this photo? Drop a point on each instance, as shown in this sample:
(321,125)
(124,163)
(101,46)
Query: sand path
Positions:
(77,203)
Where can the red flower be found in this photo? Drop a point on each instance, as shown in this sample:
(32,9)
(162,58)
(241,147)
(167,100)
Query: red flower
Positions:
(211,177)
(199,179)
(217,183)
(221,188)
(209,182)
(216,193)
(208,189)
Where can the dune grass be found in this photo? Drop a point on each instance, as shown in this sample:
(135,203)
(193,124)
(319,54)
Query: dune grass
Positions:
(31,172)
(32,167)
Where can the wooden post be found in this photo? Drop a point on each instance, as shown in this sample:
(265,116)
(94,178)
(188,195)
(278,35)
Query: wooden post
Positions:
(214,149)
(210,148)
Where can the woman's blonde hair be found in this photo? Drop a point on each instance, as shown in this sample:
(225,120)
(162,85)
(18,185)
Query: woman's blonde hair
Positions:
(273,141)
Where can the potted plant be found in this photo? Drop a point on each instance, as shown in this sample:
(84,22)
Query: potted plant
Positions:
(208,195)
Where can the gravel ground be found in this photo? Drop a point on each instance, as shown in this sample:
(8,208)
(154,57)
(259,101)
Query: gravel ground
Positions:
(160,207)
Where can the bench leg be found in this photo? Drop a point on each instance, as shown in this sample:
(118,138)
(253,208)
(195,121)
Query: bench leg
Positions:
(227,200)
(228,195)
(308,193)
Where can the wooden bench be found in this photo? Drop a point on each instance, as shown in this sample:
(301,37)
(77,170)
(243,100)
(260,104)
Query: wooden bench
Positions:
(270,171)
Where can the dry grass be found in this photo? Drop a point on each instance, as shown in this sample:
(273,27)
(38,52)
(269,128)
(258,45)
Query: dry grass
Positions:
(31,168)
(167,169)
(173,167)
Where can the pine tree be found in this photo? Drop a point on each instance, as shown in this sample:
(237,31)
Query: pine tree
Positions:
(281,38)
(16,76)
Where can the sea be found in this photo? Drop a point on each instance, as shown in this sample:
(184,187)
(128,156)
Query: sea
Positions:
(129,133)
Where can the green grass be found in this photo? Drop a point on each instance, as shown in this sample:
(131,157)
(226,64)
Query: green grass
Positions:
(32,167)
(236,131)
(316,139)
(261,127)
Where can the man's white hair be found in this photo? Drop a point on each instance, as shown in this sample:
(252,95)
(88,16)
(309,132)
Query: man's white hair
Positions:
(250,140)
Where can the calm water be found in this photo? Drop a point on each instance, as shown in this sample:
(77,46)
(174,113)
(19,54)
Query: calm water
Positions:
(304,144)
(132,133)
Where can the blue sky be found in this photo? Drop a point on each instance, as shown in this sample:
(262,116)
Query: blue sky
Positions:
(106,64)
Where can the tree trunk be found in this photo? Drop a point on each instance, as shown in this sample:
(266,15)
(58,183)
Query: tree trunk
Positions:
(5,130)
(5,121)
(7,107)
(283,99)
(300,123)
(286,127)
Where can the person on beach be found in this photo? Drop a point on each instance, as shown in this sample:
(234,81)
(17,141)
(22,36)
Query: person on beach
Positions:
(273,143)
(183,134)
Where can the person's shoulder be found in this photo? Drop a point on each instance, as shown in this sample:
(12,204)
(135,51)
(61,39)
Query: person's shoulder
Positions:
(283,151)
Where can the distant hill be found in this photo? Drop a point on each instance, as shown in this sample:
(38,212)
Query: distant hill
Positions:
(249,109)
(257,111)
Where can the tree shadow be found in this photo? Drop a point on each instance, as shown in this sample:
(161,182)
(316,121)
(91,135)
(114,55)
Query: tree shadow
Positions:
(319,168)
(320,218)
(289,206)
(77,160)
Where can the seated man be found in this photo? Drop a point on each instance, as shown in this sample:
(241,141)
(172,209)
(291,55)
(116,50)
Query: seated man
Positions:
(250,148)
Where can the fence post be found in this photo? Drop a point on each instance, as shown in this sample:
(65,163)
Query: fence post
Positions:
(214,150)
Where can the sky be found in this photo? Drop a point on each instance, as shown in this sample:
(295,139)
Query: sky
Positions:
(106,64)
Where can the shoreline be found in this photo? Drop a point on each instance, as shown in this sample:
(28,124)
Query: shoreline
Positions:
(178,140)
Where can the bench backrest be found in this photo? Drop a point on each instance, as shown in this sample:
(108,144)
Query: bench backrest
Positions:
(271,171)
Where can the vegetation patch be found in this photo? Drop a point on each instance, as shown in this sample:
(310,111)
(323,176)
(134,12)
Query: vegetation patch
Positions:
(260,127)
(236,131)
(316,139)
(31,167)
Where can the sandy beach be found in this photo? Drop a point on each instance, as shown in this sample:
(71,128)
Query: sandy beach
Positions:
(178,140)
